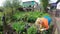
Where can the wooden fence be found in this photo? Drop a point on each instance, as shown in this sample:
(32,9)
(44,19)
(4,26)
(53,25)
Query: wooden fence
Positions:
(55,21)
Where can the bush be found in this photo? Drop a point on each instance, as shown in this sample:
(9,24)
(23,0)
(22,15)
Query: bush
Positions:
(28,16)
(32,30)
(19,26)
(1,28)
(32,19)
(1,14)
(18,15)
(34,15)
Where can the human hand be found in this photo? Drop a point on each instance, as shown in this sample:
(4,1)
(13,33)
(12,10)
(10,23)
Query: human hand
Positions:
(42,29)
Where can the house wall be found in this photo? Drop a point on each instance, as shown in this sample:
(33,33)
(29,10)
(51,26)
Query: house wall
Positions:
(26,4)
(34,5)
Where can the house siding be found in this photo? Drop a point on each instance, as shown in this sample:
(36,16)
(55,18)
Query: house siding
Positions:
(26,4)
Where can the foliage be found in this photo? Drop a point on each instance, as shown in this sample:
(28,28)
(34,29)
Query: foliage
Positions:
(18,26)
(16,3)
(1,28)
(1,14)
(28,16)
(44,4)
(7,3)
(1,24)
(32,30)
(12,3)
(18,15)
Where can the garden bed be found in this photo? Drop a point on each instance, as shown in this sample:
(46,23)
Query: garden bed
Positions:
(26,19)
(21,22)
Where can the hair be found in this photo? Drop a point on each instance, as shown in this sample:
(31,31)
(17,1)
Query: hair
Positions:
(37,21)
(39,26)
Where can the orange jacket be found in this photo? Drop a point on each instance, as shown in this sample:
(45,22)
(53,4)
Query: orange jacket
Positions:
(44,22)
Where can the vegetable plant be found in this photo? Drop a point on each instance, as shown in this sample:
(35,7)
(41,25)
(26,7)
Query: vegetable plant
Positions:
(32,30)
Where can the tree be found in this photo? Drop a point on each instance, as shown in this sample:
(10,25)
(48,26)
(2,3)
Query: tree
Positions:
(12,3)
(7,3)
(44,4)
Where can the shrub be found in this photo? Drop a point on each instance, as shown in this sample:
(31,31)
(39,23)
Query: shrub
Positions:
(34,15)
(1,28)
(19,26)
(28,16)
(31,19)
(1,14)
(18,15)
(32,30)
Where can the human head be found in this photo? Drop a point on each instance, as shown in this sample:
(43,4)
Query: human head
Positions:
(39,21)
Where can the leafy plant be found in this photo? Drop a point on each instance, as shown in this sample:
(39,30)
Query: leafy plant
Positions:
(19,26)
(1,14)
(1,28)
(28,16)
(31,19)
(44,4)
(32,30)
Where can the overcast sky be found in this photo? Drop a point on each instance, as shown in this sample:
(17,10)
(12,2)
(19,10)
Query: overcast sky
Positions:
(2,1)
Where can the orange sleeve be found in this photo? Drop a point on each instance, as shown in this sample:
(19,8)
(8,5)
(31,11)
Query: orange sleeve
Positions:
(45,24)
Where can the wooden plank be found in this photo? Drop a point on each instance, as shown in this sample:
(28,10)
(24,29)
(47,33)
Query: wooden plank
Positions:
(57,23)
(56,31)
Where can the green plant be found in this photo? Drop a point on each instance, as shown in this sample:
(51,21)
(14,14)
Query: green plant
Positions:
(32,30)
(18,15)
(19,26)
(1,14)
(28,16)
(1,28)
(44,4)
(31,19)
(12,3)
(1,32)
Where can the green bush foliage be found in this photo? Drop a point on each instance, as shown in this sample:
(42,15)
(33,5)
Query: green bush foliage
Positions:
(32,30)
(1,28)
(28,16)
(18,26)
(1,14)
(45,4)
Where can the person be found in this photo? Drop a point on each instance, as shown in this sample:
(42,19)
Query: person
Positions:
(43,23)
(58,9)
(49,19)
